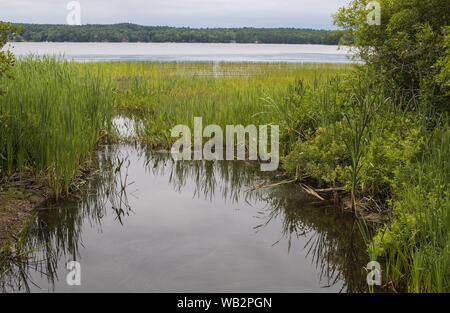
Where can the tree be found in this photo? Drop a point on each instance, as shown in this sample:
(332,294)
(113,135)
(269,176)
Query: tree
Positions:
(405,52)
(6,57)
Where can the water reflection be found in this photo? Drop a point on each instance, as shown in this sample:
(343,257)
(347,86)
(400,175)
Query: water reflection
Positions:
(327,238)
(333,239)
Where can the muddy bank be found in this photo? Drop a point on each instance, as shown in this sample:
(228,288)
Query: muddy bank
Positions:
(16,204)
(20,196)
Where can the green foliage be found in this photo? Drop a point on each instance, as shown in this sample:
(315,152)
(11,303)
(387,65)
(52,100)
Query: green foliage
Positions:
(403,164)
(314,137)
(363,105)
(322,157)
(169,94)
(138,33)
(392,142)
(442,79)
(406,155)
(51,125)
(7,59)
(404,50)
(392,145)
(416,242)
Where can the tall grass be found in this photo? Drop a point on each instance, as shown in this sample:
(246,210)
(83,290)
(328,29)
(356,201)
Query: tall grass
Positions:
(416,244)
(364,104)
(221,93)
(51,117)
(54,111)
(333,130)
(394,159)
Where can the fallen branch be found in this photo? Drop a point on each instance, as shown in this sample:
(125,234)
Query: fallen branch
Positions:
(311,191)
(330,189)
(264,185)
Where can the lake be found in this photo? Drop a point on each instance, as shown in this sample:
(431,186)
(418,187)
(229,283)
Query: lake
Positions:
(186,52)
(146,223)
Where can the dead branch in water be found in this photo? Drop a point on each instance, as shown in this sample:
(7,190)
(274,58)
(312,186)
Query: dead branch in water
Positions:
(326,190)
(311,191)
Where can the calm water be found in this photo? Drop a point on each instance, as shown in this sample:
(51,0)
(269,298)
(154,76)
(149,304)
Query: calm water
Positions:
(186,52)
(147,224)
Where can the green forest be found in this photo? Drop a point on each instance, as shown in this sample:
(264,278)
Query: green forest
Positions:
(138,33)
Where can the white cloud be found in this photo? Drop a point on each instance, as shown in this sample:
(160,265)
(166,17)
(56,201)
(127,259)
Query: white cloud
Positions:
(194,13)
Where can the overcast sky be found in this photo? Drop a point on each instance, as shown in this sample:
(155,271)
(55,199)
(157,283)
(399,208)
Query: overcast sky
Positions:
(193,13)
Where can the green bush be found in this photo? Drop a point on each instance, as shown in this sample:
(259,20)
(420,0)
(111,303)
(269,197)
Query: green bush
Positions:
(394,141)
(7,59)
(323,157)
(419,230)
(407,52)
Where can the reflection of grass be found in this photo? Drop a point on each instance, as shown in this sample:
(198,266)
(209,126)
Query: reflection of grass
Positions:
(13,250)
(56,232)
(15,258)
(333,239)
(61,229)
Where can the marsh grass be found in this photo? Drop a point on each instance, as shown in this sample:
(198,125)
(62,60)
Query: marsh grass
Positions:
(335,132)
(364,103)
(51,118)
(221,93)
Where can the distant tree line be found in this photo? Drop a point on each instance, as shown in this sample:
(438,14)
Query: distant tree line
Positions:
(138,33)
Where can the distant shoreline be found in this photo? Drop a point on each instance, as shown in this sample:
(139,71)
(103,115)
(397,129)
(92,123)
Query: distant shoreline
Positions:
(174,42)
(122,33)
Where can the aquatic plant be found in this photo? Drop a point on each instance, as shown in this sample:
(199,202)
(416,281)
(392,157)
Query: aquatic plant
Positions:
(51,118)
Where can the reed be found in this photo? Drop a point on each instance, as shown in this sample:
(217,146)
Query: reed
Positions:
(221,93)
(333,130)
(51,118)
(54,111)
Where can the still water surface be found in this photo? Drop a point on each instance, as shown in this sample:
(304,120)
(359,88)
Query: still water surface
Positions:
(148,224)
(162,52)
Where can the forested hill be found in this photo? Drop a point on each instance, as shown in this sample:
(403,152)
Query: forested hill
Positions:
(137,33)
